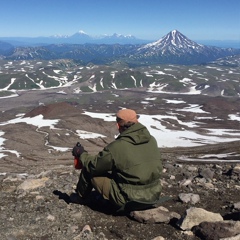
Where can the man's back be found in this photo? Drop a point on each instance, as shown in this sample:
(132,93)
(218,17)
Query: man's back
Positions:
(137,164)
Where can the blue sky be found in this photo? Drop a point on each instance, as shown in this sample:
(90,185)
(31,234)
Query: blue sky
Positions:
(145,19)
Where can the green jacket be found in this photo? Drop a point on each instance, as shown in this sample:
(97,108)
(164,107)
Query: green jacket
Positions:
(134,161)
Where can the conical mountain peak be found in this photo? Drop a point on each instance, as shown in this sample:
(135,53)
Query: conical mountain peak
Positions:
(173,41)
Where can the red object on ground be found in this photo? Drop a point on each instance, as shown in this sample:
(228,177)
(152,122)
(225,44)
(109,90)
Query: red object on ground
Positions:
(77,163)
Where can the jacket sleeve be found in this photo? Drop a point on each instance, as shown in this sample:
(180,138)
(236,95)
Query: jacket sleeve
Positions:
(99,164)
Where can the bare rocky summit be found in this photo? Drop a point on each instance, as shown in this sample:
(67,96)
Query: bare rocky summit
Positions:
(36,186)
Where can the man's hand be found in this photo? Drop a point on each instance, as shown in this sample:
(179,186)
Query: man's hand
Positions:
(78,150)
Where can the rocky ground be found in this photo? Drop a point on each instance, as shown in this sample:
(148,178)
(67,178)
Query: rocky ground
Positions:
(36,205)
(36,186)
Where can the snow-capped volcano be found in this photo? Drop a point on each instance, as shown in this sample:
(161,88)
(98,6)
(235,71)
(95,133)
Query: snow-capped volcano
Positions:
(177,48)
(80,34)
(173,42)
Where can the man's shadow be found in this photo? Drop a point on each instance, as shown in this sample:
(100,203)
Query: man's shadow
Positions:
(94,201)
(62,196)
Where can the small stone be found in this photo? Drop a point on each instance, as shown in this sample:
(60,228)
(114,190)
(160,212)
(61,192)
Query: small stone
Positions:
(237,205)
(85,234)
(189,197)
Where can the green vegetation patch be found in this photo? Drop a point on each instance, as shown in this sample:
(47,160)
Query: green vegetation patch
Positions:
(5,93)
(5,80)
(85,89)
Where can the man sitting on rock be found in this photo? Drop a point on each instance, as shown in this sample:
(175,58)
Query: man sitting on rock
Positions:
(127,171)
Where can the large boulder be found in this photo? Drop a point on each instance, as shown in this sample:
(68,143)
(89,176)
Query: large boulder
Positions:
(194,216)
(217,230)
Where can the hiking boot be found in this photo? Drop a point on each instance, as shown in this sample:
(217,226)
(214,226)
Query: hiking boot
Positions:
(75,198)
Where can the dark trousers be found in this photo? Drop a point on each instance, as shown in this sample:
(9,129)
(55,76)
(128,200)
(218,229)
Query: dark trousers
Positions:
(86,183)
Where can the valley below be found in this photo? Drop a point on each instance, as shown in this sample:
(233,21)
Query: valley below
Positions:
(198,126)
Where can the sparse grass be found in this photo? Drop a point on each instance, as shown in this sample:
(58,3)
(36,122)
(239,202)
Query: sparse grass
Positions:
(4,80)
(5,93)
(86,89)
(23,83)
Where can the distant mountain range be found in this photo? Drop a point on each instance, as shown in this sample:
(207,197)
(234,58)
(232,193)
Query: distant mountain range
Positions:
(77,38)
(173,48)
(82,38)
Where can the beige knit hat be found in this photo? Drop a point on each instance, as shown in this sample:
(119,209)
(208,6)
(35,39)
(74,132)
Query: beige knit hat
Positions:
(127,115)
